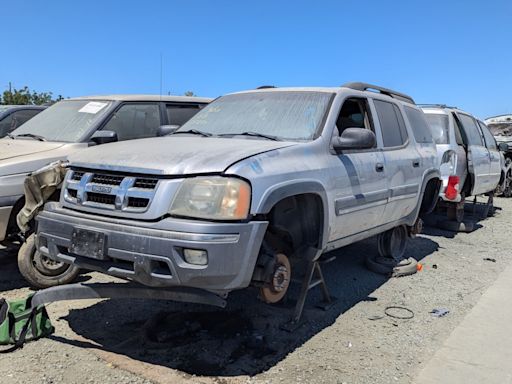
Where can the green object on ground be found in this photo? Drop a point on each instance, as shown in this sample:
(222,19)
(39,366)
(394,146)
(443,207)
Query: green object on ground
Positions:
(19,323)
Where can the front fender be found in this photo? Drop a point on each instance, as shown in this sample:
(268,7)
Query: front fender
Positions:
(292,188)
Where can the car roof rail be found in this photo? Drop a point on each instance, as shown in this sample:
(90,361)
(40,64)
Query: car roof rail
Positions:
(266,86)
(385,91)
(437,106)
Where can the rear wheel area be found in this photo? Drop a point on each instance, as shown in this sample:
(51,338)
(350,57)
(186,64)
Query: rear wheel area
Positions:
(41,272)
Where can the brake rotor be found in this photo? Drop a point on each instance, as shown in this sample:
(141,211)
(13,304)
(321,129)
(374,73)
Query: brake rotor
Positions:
(275,290)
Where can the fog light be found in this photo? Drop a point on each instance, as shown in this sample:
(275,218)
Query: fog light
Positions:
(195,256)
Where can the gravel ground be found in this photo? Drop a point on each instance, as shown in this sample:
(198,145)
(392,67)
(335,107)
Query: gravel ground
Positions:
(134,341)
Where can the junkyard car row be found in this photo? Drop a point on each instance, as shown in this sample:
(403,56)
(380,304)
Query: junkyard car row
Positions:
(255,184)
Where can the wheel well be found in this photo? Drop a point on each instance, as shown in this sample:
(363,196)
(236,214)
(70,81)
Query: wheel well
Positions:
(296,224)
(430,195)
(12,227)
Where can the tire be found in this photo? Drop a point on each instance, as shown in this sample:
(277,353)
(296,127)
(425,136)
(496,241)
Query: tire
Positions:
(41,272)
(507,190)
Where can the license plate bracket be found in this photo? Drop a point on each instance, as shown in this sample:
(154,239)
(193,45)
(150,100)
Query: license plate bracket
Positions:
(88,243)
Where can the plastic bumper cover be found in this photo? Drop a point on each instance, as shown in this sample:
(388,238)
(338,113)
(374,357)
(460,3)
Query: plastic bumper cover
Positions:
(152,253)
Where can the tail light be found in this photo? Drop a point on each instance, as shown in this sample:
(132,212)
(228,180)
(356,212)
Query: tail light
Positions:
(452,189)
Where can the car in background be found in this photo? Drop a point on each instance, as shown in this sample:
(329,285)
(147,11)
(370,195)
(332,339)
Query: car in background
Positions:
(69,126)
(501,127)
(469,159)
(12,116)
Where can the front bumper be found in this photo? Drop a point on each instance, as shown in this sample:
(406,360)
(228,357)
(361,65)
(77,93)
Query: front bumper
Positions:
(151,252)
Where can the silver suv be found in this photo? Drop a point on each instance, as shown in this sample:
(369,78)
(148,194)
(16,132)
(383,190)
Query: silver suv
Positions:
(469,158)
(253,183)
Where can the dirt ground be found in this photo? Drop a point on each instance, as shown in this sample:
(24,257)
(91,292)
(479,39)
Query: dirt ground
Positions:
(140,341)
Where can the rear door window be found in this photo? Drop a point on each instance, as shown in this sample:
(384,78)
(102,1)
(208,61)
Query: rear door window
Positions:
(394,133)
(471,129)
(179,114)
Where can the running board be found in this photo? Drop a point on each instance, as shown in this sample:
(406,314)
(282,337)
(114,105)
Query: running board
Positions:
(83,291)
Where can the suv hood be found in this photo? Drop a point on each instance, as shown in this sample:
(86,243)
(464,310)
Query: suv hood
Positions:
(173,155)
(10,148)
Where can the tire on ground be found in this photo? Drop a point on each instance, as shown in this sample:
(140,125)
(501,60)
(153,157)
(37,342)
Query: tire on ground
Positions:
(36,277)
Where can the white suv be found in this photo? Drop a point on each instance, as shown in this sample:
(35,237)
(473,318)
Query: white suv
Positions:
(469,159)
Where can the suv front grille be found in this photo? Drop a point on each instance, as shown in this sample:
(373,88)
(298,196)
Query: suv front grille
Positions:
(110,191)
(107,179)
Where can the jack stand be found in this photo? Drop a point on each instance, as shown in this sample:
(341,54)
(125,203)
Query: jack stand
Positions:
(488,206)
(312,278)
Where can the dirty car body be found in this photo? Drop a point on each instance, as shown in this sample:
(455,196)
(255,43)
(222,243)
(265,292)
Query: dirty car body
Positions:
(200,208)
(72,125)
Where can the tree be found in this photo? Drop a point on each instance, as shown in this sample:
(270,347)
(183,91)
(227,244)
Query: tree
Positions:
(24,96)
(189,93)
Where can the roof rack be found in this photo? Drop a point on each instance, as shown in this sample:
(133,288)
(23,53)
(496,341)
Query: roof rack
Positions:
(437,106)
(266,86)
(385,91)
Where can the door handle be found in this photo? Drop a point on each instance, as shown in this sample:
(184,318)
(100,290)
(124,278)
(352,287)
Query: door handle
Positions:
(415,163)
(379,167)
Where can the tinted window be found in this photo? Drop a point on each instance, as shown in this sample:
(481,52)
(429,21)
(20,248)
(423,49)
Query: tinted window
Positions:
(24,115)
(180,114)
(471,129)
(6,125)
(135,121)
(392,124)
(490,142)
(354,114)
(419,125)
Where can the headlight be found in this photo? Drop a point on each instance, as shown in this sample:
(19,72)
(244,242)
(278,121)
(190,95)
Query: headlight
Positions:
(218,198)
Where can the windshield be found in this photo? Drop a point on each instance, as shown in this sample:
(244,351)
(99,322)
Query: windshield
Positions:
(283,115)
(439,127)
(66,121)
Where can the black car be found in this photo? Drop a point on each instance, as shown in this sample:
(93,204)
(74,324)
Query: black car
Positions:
(12,116)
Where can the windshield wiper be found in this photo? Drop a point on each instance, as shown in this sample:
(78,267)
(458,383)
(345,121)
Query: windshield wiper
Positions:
(37,137)
(253,134)
(194,132)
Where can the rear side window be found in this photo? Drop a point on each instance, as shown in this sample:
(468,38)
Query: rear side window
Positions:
(439,127)
(394,133)
(471,129)
(490,142)
(179,114)
(419,125)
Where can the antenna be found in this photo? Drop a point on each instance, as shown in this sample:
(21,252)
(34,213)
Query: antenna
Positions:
(161,74)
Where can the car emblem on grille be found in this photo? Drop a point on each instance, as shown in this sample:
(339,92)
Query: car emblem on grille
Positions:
(101,189)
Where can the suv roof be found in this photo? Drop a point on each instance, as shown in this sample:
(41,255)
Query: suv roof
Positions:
(358,86)
(136,97)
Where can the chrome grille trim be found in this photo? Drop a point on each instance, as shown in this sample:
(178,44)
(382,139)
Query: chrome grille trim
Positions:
(111,192)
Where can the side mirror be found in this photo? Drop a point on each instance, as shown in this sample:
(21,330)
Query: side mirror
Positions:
(354,138)
(104,137)
(165,130)
(503,147)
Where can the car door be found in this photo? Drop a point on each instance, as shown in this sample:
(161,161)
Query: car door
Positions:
(494,155)
(358,176)
(477,154)
(402,161)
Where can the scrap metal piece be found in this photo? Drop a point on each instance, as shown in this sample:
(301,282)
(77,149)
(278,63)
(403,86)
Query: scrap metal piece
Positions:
(83,291)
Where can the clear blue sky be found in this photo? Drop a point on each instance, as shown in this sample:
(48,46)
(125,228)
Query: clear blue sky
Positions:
(455,52)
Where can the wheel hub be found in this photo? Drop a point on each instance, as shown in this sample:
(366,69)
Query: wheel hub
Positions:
(275,290)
